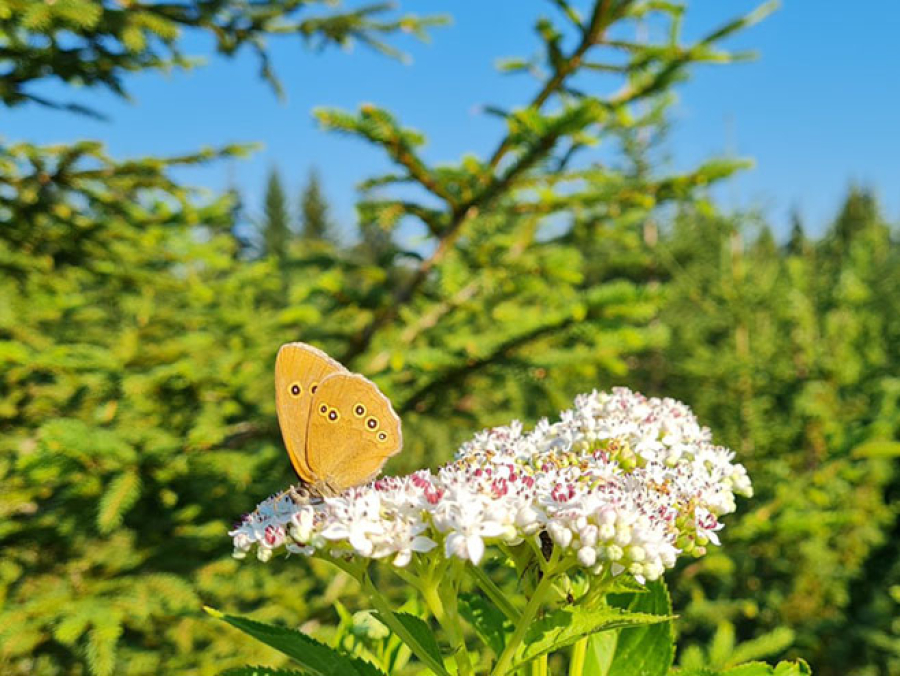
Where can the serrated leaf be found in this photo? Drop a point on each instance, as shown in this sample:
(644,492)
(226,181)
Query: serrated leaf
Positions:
(259,671)
(644,651)
(487,620)
(422,633)
(121,494)
(625,584)
(565,626)
(317,658)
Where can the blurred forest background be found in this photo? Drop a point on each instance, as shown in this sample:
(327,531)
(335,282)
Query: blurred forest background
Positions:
(139,320)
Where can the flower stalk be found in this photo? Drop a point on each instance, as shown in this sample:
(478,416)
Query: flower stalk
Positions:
(493,592)
(394,624)
(528,615)
(440,596)
(577,658)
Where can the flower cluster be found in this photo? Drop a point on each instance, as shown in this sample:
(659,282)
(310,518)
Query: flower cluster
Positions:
(621,482)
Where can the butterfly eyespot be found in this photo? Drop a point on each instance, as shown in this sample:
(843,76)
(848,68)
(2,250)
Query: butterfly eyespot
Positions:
(313,388)
(296,390)
(359,410)
(333,415)
(382,436)
(323,409)
(372,423)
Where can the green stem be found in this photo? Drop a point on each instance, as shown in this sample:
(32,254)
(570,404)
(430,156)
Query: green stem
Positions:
(393,622)
(539,666)
(353,570)
(596,593)
(576,662)
(542,563)
(441,596)
(534,603)
(386,615)
(493,592)
(412,580)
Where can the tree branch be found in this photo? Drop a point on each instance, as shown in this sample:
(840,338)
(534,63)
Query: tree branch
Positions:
(590,37)
(460,373)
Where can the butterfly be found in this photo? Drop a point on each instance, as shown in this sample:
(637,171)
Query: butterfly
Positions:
(339,429)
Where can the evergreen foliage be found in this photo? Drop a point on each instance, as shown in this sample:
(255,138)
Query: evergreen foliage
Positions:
(797,243)
(792,358)
(98,42)
(276,228)
(315,224)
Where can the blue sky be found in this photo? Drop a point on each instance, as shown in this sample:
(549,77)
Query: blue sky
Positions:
(816,110)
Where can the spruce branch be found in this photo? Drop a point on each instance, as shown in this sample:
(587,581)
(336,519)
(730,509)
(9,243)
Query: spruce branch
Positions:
(501,352)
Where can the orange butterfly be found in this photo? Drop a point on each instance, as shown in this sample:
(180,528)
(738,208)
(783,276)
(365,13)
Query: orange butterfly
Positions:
(339,429)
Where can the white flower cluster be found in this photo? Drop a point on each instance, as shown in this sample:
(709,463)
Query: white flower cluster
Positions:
(622,482)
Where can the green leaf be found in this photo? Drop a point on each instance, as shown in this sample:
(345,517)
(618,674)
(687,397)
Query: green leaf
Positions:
(486,619)
(601,648)
(644,651)
(316,658)
(420,642)
(625,584)
(421,632)
(565,626)
(799,668)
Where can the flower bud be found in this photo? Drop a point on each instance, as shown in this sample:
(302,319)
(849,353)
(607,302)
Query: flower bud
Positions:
(587,556)
(614,553)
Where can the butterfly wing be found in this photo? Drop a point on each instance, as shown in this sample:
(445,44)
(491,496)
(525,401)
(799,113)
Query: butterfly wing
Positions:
(299,370)
(353,430)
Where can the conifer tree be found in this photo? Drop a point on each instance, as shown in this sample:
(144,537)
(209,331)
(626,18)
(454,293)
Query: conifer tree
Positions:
(797,243)
(276,229)
(765,246)
(376,245)
(315,223)
(859,212)
(788,358)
